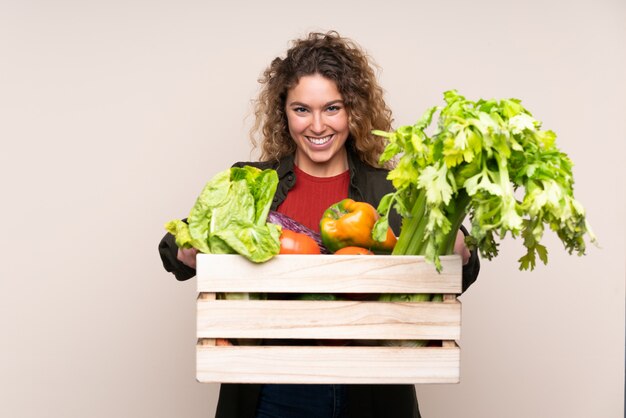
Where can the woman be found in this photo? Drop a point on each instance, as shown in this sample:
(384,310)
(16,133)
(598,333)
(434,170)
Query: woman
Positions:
(315,114)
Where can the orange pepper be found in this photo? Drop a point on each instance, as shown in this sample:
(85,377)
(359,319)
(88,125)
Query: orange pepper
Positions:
(350,223)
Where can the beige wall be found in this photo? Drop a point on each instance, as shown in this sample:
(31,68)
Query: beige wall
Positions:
(113,114)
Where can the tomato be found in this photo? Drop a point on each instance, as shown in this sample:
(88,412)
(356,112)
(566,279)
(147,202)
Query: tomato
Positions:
(297,243)
(351,250)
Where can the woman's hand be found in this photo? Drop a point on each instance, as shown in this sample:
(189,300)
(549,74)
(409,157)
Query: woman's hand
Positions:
(460,248)
(187,256)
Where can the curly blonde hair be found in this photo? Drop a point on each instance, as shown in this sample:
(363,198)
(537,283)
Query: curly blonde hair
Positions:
(339,59)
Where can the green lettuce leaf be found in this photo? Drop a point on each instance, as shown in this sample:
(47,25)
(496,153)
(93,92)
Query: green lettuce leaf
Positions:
(230,216)
(257,243)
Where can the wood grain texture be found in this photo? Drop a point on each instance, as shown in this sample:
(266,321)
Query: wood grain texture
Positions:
(328,319)
(328,274)
(368,324)
(352,365)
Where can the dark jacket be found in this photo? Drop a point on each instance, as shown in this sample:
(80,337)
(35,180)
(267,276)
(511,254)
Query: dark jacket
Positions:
(367,184)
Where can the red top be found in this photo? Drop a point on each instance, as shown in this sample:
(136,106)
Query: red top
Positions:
(311,196)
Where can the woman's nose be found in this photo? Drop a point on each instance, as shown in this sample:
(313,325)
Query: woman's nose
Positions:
(318,124)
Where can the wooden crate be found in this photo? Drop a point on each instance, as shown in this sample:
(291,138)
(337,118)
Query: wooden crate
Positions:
(335,320)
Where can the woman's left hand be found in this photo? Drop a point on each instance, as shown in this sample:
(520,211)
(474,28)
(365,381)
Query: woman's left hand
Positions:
(460,248)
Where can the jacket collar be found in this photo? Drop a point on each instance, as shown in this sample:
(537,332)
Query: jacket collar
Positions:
(285,170)
(285,166)
(355,166)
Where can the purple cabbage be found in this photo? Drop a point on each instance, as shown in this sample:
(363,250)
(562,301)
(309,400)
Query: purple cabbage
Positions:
(286,222)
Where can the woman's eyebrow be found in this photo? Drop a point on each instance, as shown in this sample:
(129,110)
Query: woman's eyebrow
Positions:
(332,102)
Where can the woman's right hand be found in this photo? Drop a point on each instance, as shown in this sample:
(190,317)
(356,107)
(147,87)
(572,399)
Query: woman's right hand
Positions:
(187,256)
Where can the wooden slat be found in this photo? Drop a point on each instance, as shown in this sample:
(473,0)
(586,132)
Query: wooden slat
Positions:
(352,365)
(327,274)
(252,320)
(328,319)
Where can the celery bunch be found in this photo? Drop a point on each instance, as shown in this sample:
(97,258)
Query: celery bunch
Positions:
(488,159)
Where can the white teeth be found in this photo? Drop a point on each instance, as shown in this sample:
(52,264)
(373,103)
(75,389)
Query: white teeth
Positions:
(319,141)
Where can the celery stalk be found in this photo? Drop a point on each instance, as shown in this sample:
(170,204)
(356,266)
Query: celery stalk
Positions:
(480,153)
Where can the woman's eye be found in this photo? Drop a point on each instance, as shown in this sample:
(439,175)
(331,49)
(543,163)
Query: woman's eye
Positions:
(333,108)
(299,109)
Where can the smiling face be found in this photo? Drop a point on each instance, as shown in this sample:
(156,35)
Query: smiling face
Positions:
(318,123)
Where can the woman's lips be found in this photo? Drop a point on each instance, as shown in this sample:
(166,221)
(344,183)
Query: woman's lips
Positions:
(319,140)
